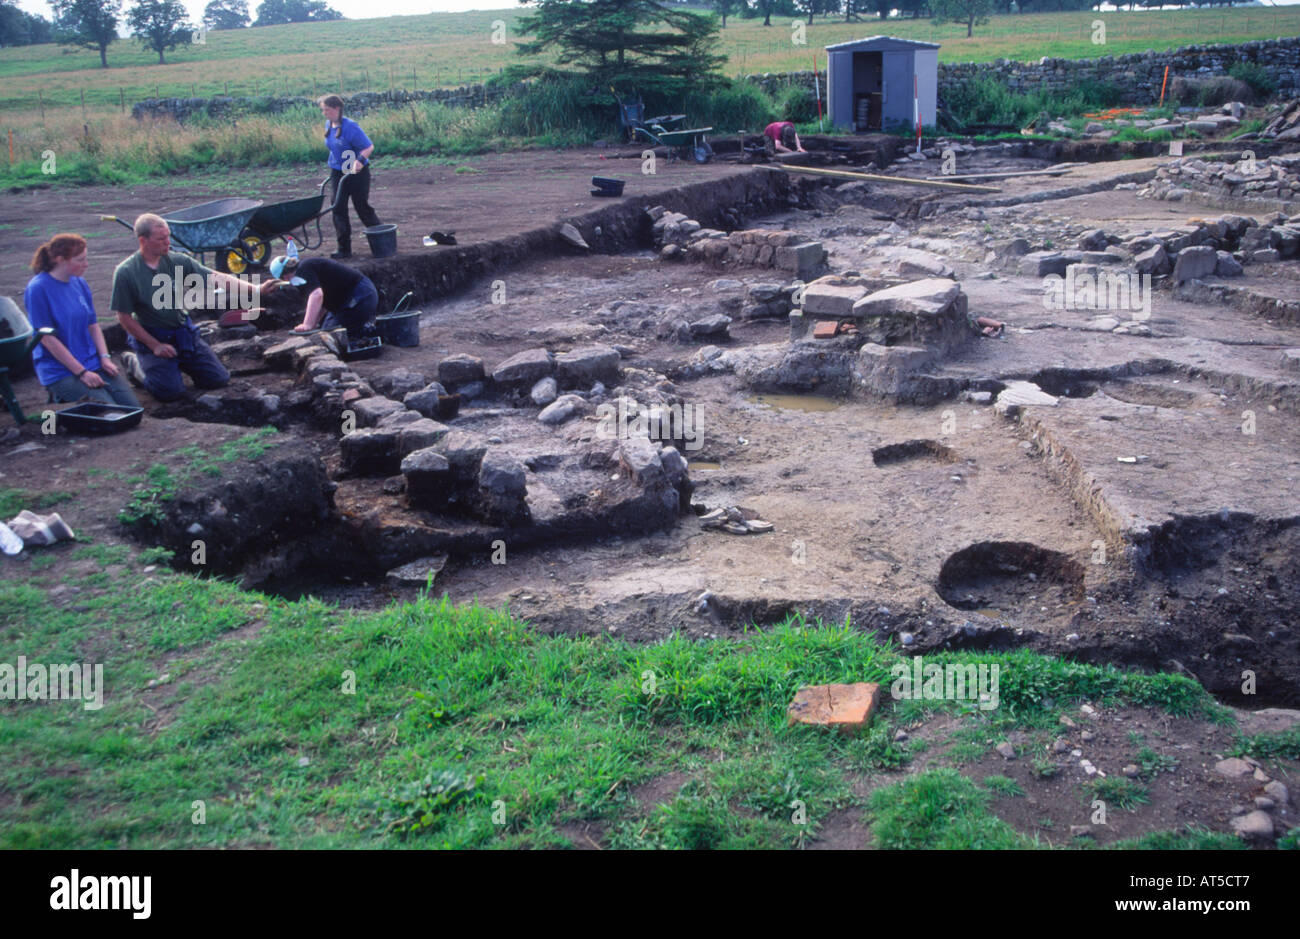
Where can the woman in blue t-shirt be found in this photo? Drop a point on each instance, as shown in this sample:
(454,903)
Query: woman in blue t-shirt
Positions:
(72,364)
(349,163)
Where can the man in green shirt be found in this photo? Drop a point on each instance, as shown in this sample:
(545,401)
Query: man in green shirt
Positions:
(151,291)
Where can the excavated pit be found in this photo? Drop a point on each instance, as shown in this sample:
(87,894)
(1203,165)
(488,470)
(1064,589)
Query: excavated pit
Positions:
(1010,576)
(913,450)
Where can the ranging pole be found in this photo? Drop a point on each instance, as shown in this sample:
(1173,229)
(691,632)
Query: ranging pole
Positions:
(818,89)
(916,111)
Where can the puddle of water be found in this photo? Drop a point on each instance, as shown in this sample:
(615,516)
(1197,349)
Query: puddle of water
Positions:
(693,465)
(990,613)
(798,402)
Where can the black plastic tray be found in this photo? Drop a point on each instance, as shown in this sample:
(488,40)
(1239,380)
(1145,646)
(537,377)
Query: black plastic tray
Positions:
(367,348)
(90,417)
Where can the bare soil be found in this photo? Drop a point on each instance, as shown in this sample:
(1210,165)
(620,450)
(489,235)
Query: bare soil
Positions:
(941,525)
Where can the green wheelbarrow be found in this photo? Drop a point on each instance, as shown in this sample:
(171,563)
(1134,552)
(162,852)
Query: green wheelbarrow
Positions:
(691,144)
(17,340)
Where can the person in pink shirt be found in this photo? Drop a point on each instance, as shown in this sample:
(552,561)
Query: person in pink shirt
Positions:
(780,137)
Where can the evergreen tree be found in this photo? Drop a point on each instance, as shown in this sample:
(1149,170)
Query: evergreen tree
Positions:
(635,43)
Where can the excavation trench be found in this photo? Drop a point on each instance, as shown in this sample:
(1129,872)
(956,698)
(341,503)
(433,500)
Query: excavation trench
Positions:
(901,504)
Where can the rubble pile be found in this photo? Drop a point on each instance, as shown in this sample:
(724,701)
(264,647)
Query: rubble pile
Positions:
(1274,178)
(1286,125)
(1217,247)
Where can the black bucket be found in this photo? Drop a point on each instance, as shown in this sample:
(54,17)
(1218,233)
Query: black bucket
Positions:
(402,326)
(383,240)
(400,329)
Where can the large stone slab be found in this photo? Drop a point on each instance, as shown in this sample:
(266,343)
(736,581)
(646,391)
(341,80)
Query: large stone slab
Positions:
(527,367)
(1019,394)
(925,297)
(828,296)
(582,367)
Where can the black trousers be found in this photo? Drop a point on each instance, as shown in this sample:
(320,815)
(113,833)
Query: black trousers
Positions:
(356,186)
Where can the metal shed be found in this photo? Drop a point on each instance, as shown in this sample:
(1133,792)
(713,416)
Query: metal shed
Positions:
(870,83)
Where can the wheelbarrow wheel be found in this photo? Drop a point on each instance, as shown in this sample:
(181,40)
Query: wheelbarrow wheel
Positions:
(231,260)
(702,152)
(256,249)
(236,260)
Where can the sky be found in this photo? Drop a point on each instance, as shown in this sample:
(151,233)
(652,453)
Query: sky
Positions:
(365,9)
(352,9)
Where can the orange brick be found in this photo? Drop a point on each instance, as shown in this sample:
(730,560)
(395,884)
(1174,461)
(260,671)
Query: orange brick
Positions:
(846,707)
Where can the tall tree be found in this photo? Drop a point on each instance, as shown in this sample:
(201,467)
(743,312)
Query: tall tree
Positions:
(88,23)
(160,25)
(638,43)
(812,7)
(226,14)
(724,8)
(19,28)
(275,12)
(971,13)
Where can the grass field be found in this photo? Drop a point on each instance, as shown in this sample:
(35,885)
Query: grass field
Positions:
(447,49)
(53,139)
(236,719)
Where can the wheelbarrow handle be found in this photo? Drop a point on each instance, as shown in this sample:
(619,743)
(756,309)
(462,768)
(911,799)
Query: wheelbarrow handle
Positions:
(401,304)
(338,192)
(36,339)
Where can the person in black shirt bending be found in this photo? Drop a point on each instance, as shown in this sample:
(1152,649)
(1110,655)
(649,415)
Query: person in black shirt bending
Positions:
(347,295)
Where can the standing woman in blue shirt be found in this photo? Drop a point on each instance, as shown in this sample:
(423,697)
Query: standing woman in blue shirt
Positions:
(349,162)
(73,364)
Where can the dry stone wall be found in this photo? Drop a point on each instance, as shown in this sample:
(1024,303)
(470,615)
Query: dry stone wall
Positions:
(1137,75)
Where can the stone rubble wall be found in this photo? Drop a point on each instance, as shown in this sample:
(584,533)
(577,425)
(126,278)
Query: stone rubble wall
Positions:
(466,96)
(676,236)
(1137,75)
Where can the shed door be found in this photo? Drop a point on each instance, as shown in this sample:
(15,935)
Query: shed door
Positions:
(898,88)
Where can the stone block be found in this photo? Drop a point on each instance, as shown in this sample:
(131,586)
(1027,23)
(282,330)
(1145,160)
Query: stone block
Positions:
(370,452)
(1194,262)
(460,369)
(420,434)
(804,261)
(1042,263)
(425,401)
(370,411)
(1226,265)
(885,370)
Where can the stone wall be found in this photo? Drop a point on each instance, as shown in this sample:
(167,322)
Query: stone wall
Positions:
(1138,75)
(358,103)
